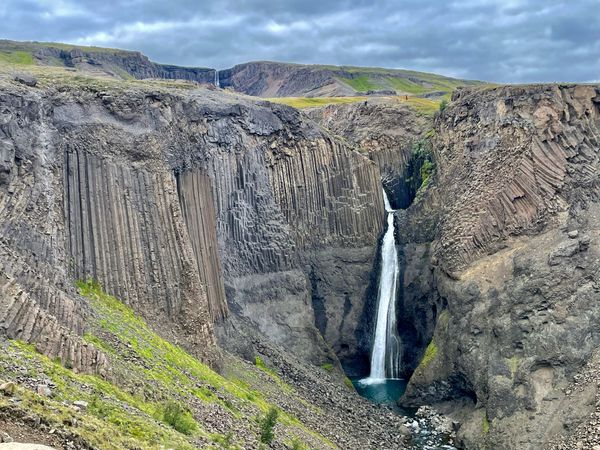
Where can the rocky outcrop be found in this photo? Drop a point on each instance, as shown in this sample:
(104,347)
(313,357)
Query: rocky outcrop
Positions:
(272,79)
(514,262)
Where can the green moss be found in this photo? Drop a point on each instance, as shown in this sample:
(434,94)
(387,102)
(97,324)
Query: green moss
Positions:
(513,364)
(485,425)
(328,367)
(348,383)
(430,354)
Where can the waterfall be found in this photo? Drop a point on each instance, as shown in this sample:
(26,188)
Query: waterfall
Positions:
(217,82)
(385,357)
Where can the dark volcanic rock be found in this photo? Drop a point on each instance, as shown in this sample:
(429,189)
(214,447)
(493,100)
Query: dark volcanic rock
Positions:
(514,288)
(169,199)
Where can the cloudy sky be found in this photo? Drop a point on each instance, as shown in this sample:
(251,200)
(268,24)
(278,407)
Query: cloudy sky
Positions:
(495,40)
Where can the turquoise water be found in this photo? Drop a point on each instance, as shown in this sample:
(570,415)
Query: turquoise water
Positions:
(386,391)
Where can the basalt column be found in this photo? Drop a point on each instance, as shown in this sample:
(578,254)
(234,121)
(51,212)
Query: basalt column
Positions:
(196,198)
(125,228)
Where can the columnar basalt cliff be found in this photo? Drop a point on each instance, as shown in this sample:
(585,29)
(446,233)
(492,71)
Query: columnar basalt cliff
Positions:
(174,199)
(386,131)
(171,199)
(513,262)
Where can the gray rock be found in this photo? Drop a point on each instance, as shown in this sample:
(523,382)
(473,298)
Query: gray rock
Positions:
(26,79)
(21,446)
(44,390)
(81,404)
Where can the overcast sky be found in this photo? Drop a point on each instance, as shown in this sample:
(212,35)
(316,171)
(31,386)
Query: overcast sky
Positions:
(494,40)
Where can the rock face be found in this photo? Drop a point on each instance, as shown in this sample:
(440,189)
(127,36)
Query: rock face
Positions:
(386,130)
(112,62)
(513,263)
(173,200)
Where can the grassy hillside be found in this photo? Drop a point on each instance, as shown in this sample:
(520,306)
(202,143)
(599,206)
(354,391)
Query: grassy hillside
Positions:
(155,396)
(22,53)
(364,79)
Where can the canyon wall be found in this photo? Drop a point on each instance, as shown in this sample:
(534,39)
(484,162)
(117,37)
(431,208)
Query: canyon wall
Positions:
(512,263)
(180,202)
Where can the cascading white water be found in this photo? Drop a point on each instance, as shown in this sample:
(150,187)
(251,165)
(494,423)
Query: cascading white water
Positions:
(217,82)
(385,357)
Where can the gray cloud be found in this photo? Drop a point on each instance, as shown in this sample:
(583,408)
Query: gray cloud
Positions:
(496,40)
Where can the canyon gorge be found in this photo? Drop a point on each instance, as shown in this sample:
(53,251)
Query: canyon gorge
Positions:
(165,240)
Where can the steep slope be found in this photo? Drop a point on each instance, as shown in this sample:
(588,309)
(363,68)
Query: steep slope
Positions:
(156,395)
(116,63)
(273,79)
(508,277)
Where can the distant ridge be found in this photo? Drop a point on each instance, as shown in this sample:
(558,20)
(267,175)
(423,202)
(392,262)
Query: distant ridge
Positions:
(274,79)
(116,63)
(260,78)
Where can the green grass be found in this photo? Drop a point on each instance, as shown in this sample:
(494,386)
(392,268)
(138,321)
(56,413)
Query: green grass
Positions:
(20,58)
(153,391)
(424,106)
(406,85)
(312,102)
(362,83)
(115,418)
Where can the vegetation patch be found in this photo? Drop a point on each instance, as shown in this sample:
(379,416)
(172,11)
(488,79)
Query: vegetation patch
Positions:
(362,83)
(20,58)
(178,417)
(430,354)
(313,102)
(327,367)
(485,425)
(267,425)
(155,394)
(513,364)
